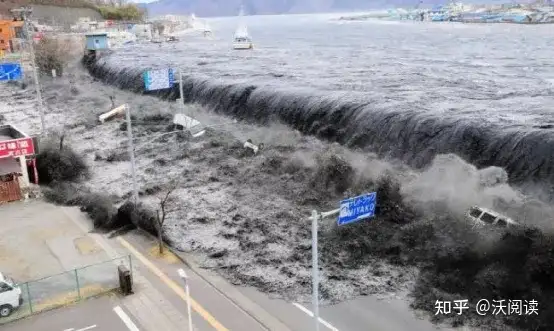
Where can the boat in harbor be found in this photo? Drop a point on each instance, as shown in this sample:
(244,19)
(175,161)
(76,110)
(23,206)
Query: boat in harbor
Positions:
(207,31)
(241,38)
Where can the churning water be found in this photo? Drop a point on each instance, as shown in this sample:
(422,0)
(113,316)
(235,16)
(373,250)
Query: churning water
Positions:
(409,90)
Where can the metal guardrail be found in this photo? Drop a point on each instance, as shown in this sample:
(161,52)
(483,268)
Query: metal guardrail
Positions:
(69,287)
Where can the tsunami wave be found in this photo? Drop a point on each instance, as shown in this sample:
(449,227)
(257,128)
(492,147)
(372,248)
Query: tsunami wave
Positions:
(413,137)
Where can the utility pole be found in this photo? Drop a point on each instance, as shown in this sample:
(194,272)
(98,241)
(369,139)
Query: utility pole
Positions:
(315,269)
(25,13)
(132,154)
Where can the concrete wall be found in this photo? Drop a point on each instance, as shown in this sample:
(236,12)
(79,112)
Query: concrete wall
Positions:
(62,15)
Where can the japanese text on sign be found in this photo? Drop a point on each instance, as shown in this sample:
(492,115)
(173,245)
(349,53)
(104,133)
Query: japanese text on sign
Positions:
(488,307)
(17,147)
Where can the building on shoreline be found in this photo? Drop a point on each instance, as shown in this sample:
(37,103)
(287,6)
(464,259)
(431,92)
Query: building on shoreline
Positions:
(15,147)
(536,13)
(9,31)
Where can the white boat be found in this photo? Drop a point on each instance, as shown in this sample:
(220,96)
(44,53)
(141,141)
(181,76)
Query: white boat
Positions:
(207,31)
(241,38)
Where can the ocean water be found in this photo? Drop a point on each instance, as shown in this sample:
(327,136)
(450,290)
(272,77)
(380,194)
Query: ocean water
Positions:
(406,90)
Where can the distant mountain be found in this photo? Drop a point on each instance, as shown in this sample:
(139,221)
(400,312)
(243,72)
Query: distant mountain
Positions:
(257,7)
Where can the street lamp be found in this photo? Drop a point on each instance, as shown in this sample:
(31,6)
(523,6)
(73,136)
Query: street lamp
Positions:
(131,153)
(184,277)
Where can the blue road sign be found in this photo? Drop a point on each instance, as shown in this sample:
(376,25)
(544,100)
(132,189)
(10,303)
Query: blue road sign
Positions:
(10,71)
(158,79)
(357,208)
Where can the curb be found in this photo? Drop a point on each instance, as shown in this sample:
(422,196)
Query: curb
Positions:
(228,291)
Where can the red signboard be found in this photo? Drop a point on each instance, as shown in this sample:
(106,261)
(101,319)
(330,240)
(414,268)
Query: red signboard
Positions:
(17,147)
(38,36)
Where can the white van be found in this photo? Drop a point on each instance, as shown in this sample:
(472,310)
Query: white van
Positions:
(10,295)
(482,216)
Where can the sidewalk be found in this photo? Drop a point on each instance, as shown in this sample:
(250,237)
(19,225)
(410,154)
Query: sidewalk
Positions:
(44,238)
(147,305)
(159,301)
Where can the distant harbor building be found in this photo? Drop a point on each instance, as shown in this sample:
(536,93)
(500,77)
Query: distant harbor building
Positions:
(97,41)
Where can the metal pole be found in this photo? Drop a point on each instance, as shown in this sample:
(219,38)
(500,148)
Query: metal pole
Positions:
(29,297)
(188,306)
(315,270)
(184,276)
(35,72)
(181,89)
(78,285)
(132,153)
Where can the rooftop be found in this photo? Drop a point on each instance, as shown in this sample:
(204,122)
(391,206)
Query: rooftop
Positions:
(9,132)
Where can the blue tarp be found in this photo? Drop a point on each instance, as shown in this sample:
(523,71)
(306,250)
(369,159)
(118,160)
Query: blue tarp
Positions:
(10,71)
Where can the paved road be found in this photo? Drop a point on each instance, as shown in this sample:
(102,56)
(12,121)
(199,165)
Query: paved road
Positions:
(210,310)
(361,314)
(100,314)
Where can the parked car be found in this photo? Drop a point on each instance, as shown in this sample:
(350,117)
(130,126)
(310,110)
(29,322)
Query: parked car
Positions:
(10,295)
(484,216)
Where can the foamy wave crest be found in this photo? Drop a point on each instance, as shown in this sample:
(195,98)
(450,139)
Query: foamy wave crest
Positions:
(414,137)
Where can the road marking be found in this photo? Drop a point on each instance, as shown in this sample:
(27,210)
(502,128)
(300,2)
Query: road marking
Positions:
(87,328)
(309,313)
(83,329)
(125,318)
(172,285)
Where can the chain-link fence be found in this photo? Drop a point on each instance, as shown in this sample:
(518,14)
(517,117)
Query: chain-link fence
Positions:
(51,292)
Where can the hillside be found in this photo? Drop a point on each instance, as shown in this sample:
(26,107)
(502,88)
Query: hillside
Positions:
(6,5)
(69,11)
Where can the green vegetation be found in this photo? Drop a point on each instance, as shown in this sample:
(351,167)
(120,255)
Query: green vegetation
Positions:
(127,12)
(52,54)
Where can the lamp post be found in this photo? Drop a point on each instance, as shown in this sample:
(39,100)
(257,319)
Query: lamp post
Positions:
(132,154)
(184,277)
(316,218)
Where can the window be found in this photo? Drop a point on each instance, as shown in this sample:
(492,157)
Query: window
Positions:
(488,218)
(474,212)
(502,222)
(1,41)
(5,287)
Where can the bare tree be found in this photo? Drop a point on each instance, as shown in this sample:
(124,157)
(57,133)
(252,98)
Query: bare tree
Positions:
(164,209)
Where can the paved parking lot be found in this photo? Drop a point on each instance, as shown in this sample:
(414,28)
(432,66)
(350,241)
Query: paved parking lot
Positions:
(40,248)
(38,240)
(100,314)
